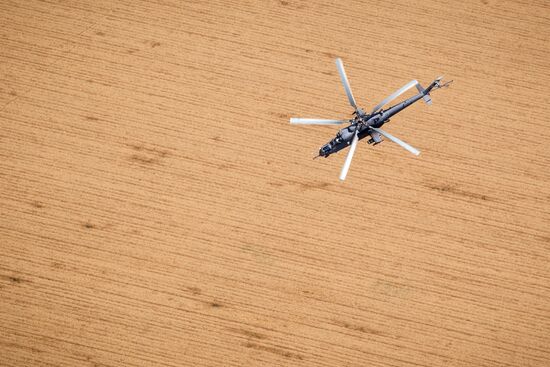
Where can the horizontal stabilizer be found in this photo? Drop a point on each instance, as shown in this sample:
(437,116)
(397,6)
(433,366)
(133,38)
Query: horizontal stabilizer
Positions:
(426,97)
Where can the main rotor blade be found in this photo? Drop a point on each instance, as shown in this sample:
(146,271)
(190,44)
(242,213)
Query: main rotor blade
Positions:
(301,121)
(397,141)
(345,82)
(395,94)
(347,163)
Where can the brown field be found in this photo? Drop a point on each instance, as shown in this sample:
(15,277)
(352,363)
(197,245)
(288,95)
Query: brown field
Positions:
(157,209)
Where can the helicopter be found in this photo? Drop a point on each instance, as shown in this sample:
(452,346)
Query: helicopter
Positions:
(368,124)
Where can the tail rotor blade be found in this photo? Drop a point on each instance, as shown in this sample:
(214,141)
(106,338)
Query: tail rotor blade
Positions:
(301,121)
(394,95)
(345,82)
(397,141)
(349,157)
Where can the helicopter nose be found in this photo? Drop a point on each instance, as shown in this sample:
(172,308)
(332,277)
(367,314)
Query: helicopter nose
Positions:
(325,149)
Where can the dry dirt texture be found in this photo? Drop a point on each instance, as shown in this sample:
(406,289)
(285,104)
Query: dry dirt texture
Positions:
(157,209)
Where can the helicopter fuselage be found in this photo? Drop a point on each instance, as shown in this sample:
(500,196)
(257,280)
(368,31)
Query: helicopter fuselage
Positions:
(364,123)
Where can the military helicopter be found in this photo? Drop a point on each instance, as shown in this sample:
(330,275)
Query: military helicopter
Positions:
(368,124)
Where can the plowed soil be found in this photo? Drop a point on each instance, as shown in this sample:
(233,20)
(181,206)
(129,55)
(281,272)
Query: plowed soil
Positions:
(158,209)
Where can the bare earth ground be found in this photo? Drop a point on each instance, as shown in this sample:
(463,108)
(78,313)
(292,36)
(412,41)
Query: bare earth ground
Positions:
(157,209)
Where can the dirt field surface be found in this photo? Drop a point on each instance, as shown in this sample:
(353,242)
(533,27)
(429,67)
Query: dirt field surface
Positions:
(158,209)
